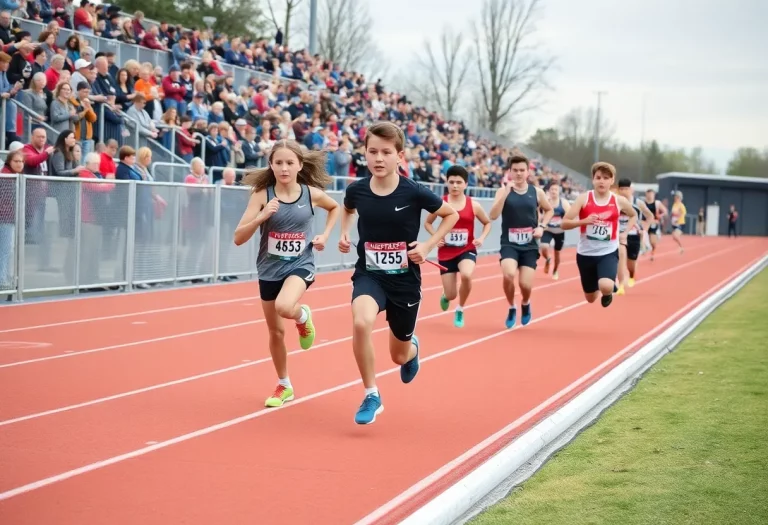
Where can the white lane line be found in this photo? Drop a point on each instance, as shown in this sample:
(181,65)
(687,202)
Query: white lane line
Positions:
(252,322)
(188,306)
(242,419)
(248,363)
(486,443)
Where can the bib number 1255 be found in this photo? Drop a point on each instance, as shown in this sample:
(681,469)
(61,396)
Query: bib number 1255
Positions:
(386,257)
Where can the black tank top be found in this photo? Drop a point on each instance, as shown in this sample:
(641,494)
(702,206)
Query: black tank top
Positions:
(519,218)
(652,207)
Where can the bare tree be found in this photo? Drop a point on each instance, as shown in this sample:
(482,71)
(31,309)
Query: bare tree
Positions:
(344,34)
(510,71)
(445,71)
(290,9)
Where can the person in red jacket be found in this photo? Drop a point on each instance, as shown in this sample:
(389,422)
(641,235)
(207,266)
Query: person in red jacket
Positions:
(174,91)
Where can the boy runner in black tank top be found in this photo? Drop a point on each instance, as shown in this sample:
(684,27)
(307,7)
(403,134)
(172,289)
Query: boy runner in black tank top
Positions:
(518,203)
(387,274)
(658,210)
(635,237)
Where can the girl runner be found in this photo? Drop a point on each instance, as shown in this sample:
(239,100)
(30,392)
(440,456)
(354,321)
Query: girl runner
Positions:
(458,250)
(658,210)
(283,198)
(387,274)
(596,214)
(677,219)
(554,230)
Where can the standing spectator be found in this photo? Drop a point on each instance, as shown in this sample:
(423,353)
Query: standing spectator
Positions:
(63,112)
(36,98)
(87,117)
(14,164)
(175,92)
(53,73)
(733,217)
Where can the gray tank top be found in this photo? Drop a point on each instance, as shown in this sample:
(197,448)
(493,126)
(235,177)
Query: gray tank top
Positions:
(519,217)
(285,244)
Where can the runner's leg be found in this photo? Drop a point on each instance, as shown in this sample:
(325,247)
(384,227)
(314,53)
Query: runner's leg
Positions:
(287,306)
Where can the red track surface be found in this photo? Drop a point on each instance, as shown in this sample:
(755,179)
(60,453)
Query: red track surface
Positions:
(92,432)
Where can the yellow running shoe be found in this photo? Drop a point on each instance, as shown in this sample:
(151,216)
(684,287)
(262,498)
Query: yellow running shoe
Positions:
(621,290)
(282,395)
(631,282)
(306,330)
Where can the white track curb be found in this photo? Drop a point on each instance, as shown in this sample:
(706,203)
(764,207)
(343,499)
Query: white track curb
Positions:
(459,498)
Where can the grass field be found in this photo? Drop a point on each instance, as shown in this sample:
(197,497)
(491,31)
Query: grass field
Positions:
(688,445)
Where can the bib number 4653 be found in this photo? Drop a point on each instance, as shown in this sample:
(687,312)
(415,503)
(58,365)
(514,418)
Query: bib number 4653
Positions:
(286,246)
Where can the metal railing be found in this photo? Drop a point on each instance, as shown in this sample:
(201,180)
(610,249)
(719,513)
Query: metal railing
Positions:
(70,235)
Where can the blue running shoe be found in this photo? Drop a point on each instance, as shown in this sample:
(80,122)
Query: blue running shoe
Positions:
(526,314)
(511,317)
(458,319)
(409,370)
(369,409)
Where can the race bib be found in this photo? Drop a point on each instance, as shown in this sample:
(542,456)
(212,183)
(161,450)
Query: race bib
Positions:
(599,231)
(520,235)
(458,237)
(623,222)
(555,222)
(386,257)
(286,246)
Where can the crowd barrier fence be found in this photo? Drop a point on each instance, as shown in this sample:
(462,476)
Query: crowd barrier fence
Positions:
(69,235)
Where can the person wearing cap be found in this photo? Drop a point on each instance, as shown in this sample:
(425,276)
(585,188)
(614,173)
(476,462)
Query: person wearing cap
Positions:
(198,109)
(82,66)
(174,91)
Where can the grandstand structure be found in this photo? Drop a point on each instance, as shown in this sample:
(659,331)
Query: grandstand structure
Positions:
(237,100)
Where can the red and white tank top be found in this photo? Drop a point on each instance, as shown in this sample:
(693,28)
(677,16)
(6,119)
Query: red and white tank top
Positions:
(460,238)
(601,237)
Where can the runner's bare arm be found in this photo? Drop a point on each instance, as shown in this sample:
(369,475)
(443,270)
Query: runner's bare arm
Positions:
(629,210)
(481,216)
(545,205)
(346,224)
(498,202)
(324,201)
(428,223)
(449,218)
(570,219)
(253,216)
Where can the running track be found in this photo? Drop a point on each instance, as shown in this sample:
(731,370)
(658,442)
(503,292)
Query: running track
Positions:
(148,407)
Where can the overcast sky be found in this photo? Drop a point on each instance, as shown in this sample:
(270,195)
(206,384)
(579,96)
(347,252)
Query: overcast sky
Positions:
(702,64)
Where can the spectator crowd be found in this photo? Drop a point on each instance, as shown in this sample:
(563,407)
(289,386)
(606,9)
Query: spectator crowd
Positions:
(84,105)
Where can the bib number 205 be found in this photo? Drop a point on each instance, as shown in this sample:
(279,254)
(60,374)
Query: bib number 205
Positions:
(286,246)
(386,257)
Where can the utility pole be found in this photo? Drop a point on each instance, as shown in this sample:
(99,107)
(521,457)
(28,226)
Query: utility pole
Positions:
(312,27)
(597,125)
(642,138)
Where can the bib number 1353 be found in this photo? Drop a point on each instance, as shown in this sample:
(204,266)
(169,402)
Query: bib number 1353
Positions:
(286,246)
(386,257)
